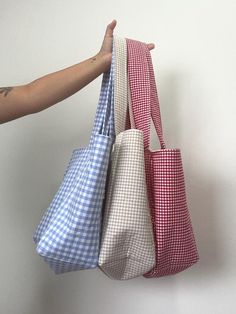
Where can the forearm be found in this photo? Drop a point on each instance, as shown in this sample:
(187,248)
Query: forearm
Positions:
(54,87)
(50,89)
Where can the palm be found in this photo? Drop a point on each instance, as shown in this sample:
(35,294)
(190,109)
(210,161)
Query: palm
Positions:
(107,41)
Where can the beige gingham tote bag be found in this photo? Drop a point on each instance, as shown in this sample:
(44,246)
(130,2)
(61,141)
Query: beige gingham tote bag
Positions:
(127,243)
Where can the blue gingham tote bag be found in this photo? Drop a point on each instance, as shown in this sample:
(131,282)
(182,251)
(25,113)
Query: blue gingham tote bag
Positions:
(69,233)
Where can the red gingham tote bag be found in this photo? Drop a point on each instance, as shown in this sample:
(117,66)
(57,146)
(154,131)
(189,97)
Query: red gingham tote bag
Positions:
(174,239)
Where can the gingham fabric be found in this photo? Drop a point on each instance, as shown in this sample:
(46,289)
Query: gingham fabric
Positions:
(127,244)
(68,235)
(175,244)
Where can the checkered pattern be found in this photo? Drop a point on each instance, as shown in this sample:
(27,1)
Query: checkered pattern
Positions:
(69,233)
(127,245)
(175,244)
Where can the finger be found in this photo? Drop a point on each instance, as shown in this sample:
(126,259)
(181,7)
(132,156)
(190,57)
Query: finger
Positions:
(110,28)
(151,46)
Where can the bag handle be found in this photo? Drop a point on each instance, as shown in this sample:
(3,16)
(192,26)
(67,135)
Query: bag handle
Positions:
(120,84)
(104,117)
(138,76)
(122,98)
(144,99)
(155,105)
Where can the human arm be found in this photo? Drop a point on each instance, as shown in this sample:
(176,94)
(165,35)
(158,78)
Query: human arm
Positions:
(50,89)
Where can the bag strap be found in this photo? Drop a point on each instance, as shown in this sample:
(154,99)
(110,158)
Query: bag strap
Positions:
(143,91)
(140,93)
(120,84)
(155,105)
(104,118)
(130,118)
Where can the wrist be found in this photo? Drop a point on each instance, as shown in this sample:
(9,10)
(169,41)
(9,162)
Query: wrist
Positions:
(105,60)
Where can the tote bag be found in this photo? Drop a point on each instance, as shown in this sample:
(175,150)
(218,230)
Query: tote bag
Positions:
(127,243)
(68,235)
(174,239)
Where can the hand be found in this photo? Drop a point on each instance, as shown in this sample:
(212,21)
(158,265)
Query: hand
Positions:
(108,38)
(106,49)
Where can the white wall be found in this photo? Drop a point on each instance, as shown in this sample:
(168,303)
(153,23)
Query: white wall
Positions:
(195,68)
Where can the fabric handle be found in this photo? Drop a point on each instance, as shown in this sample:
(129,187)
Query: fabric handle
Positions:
(155,106)
(144,98)
(138,76)
(120,85)
(104,118)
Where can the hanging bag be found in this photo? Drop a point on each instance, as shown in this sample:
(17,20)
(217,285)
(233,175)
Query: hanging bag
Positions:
(174,239)
(68,235)
(127,243)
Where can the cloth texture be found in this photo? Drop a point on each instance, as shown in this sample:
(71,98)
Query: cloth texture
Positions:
(175,244)
(68,235)
(127,243)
